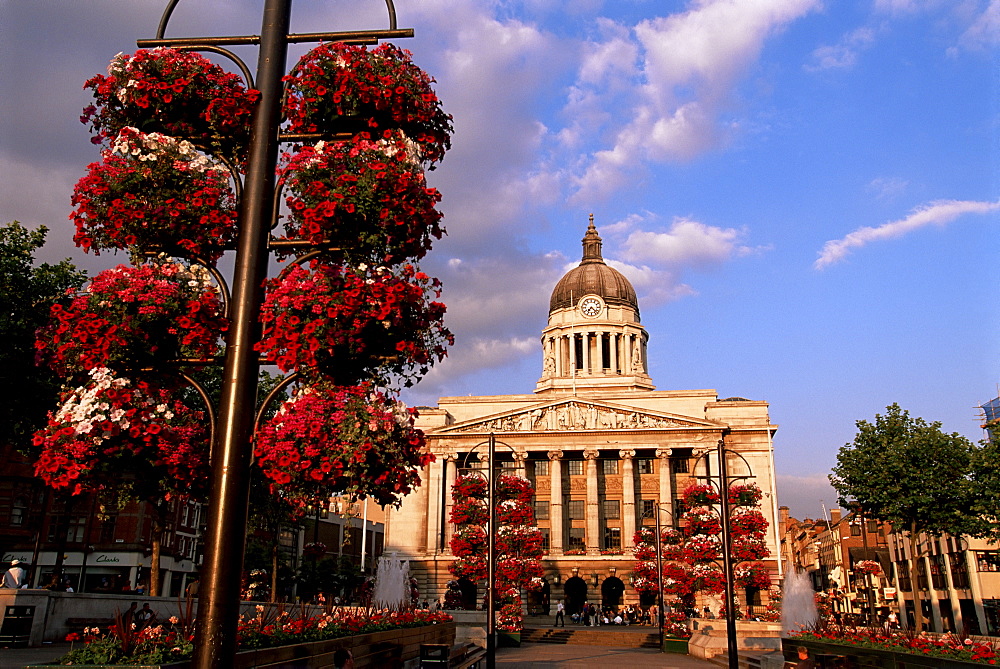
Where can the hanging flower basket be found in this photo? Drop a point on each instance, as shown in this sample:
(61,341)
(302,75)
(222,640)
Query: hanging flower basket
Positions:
(353,323)
(517,488)
(334,440)
(671,537)
(519,541)
(518,570)
(177,93)
(700,521)
(468,540)
(868,567)
(472,567)
(470,511)
(749,548)
(745,494)
(368,199)
(644,552)
(152,191)
(708,578)
(134,317)
(748,523)
(753,575)
(700,495)
(114,427)
(702,548)
(513,512)
(676,580)
(380,87)
(470,485)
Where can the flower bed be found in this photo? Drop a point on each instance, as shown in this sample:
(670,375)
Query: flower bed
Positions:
(374,638)
(881,648)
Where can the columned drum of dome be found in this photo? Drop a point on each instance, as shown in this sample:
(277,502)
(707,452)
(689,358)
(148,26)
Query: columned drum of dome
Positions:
(593,338)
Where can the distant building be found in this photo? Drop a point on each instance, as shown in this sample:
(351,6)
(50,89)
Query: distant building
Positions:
(602,447)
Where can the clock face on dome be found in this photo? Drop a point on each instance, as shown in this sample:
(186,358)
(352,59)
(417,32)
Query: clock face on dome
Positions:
(590,306)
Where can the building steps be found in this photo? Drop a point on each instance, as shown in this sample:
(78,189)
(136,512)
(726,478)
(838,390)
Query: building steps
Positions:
(615,637)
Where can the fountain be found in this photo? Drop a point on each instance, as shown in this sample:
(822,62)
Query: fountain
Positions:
(798,604)
(392,583)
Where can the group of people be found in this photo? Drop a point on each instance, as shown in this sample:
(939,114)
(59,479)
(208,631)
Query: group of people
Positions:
(591,614)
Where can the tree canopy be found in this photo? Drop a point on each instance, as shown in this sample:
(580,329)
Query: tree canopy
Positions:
(908,472)
(27,291)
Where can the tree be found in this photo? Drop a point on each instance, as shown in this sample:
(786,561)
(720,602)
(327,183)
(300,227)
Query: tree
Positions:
(26,291)
(909,473)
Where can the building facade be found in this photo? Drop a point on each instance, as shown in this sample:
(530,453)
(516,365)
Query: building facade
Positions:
(603,448)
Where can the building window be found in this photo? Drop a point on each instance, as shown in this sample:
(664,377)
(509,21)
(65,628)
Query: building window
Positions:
(988,560)
(108,528)
(575,509)
(680,508)
(855,529)
(649,509)
(577,538)
(541,467)
(19,512)
(575,467)
(903,576)
(545,538)
(610,466)
(872,526)
(644,465)
(679,465)
(612,509)
(959,574)
(541,510)
(612,538)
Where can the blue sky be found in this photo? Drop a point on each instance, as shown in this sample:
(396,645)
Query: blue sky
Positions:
(804,193)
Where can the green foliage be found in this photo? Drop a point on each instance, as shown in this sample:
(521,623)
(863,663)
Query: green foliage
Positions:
(908,472)
(26,293)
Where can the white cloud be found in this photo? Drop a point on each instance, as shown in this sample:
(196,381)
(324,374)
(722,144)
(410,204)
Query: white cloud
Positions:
(844,54)
(888,188)
(689,63)
(686,243)
(935,213)
(805,496)
(985,28)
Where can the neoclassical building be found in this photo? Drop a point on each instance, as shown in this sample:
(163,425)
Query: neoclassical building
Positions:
(602,447)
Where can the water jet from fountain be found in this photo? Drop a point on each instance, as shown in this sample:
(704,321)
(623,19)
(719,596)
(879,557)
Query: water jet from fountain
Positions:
(798,603)
(392,583)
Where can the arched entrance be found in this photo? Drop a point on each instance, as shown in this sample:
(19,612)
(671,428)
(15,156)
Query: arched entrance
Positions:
(576,592)
(470,594)
(611,592)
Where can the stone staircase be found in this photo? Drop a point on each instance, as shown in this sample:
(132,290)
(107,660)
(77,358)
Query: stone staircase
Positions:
(615,637)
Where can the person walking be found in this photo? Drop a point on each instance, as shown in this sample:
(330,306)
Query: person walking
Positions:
(16,577)
(560,614)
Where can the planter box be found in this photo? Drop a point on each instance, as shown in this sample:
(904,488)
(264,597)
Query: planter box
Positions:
(675,645)
(509,639)
(870,658)
(376,650)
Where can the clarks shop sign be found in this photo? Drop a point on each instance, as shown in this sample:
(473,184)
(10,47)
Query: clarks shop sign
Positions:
(107,559)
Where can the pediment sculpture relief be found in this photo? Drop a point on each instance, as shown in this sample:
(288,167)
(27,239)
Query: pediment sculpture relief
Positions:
(572,416)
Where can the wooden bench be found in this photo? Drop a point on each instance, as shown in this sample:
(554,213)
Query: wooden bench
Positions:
(466,656)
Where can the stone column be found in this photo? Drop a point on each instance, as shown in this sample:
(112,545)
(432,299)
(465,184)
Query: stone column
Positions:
(572,355)
(666,491)
(520,458)
(626,346)
(586,353)
(593,504)
(613,352)
(599,353)
(556,529)
(628,497)
(451,473)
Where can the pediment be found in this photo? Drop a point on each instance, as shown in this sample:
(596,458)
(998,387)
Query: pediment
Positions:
(577,415)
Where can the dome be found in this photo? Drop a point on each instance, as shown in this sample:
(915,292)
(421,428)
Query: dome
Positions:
(593,277)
